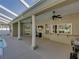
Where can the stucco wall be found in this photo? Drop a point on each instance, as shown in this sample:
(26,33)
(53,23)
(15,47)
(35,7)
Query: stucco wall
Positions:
(21,29)
(15,29)
(46,19)
(26,27)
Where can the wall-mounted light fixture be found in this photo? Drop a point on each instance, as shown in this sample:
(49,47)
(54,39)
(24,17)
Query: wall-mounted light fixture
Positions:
(56,16)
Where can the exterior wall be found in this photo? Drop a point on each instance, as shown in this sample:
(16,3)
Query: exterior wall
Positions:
(26,27)
(15,29)
(21,29)
(46,19)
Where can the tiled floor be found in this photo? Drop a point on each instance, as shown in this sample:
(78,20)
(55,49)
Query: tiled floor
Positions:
(21,49)
(17,49)
(51,50)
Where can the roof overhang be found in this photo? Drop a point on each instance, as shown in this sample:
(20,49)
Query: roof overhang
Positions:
(43,8)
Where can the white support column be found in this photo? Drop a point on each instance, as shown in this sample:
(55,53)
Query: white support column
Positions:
(33,32)
(11,29)
(19,30)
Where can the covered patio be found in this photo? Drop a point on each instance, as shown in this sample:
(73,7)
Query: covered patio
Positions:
(39,29)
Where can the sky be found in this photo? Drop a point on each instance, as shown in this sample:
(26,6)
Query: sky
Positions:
(15,6)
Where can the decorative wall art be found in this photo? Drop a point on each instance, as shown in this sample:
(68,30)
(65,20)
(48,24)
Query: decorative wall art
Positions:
(39,31)
(47,28)
(27,29)
(65,28)
(53,28)
(39,28)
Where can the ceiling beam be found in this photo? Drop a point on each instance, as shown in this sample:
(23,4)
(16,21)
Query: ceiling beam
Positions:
(4,19)
(4,8)
(6,16)
(25,3)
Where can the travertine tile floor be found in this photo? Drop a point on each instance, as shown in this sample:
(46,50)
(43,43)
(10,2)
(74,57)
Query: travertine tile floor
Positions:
(17,49)
(49,49)
(21,49)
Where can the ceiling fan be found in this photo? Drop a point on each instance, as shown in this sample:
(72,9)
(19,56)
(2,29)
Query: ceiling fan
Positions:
(56,16)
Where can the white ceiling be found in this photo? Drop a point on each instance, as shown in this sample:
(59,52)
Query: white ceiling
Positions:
(69,9)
